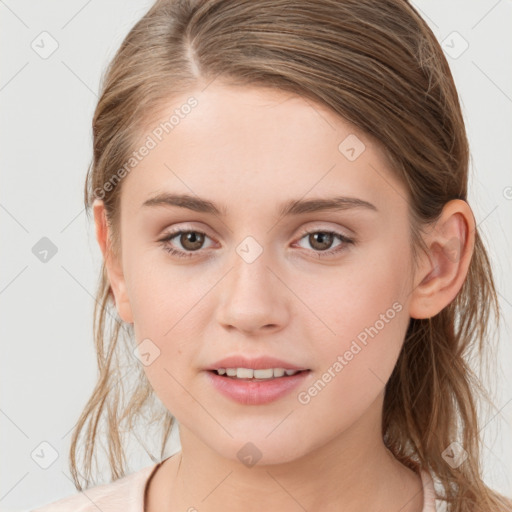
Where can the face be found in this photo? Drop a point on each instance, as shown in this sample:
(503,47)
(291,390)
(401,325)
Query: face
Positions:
(324,290)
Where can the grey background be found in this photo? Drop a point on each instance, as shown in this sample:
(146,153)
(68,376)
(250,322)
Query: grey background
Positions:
(47,357)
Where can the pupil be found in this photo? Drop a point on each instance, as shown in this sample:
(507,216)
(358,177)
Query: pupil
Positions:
(326,242)
(191,240)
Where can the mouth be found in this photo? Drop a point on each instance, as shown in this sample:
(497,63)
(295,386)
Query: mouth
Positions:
(260,375)
(255,390)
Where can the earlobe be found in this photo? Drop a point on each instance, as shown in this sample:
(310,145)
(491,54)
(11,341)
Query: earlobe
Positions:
(443,270)
(112,263)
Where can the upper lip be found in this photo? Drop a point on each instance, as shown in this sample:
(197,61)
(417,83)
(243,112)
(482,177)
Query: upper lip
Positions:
(256,363)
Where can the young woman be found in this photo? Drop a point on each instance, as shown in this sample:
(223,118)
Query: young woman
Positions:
(291,267)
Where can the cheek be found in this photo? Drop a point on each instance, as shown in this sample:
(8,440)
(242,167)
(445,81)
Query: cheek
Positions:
(168,309)
(363,292)
(162,296)
(353,368)
(366,317)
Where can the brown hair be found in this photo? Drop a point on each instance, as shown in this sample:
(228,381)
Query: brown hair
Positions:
(379,66)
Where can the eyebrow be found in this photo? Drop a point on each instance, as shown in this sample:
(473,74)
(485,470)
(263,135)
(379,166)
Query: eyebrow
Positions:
(291,207)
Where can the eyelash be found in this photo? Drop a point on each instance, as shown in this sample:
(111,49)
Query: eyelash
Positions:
(181,254)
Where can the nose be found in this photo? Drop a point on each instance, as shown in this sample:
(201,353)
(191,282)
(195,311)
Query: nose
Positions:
(253,299)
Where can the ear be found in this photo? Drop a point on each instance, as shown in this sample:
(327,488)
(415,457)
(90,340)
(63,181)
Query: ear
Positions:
(442,271)
(112,263)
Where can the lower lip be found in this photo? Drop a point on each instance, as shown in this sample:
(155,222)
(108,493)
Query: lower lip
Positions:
(256,392)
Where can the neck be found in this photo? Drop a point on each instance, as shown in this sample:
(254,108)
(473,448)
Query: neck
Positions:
(352,472)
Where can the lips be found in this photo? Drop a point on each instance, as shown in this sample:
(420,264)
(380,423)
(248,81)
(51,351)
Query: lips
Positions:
(256,363)
(259,392)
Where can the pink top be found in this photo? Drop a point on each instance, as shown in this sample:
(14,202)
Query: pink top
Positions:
(127,495)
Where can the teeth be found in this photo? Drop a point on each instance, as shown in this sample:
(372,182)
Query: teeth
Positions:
(249,373)
(278,372)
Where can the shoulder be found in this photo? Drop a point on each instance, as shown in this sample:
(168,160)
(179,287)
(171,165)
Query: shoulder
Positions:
(123,495)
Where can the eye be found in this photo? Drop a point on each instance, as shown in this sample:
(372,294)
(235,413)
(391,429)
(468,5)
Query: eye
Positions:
(191,241)
(321,241)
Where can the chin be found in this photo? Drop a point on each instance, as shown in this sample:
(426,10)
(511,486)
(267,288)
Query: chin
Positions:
(260,450)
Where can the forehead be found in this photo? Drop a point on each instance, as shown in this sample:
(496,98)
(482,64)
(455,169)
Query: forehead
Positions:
(255,147)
